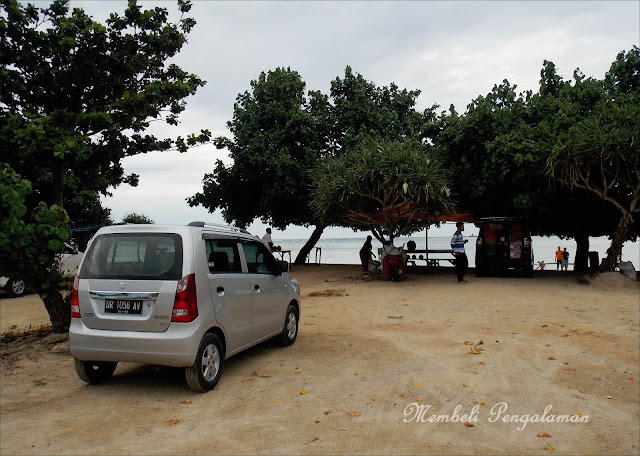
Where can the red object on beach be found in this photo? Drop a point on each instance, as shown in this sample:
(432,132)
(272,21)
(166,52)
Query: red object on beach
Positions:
(392,268)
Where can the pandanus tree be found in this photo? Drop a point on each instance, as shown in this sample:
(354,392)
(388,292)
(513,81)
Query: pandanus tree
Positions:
(602,154)
(385,186)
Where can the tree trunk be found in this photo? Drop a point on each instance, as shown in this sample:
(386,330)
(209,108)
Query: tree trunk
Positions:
(59,311)
(581,262)
(614,251)
(306,249)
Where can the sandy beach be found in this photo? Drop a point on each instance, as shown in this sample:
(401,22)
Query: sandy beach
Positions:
(378,368)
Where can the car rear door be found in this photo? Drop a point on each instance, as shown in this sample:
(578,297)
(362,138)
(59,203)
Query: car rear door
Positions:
(128,281)
(229,287)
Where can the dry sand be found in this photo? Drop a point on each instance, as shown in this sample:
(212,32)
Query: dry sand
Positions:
(367,353)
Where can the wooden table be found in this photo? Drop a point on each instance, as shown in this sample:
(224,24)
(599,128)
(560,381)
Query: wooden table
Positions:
(282,254)
(415,255)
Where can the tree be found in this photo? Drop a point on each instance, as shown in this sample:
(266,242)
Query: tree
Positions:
(78,97)
(278,135)
(600,153)
(137,218)
(383,186)
(30,242)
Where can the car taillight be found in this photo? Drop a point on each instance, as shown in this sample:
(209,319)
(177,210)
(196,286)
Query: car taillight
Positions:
(185,304)
(527,242)
(75,305)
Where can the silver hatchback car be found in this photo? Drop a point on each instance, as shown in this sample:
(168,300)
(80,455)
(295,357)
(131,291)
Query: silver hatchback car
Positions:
(181,296)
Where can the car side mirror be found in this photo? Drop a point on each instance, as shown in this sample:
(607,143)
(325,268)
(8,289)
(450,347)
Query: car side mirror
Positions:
(282,266)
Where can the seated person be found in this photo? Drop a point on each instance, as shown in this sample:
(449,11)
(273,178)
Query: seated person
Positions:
(266,240)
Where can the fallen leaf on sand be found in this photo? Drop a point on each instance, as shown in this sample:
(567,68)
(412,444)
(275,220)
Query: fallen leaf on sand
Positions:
(297,372)
(550,448)
(579,414)
(469,424)
(550,358)
(581,391)
(481,363)
(250,379)
(607,397)
(543,434)
(355,413)
(405,395)
(303,392)
(186,401)
(71,429)
(571,369)
(277,400)
(464,385)
(483,405)
(466,342)
(623,318)
(416,383)
(171,422)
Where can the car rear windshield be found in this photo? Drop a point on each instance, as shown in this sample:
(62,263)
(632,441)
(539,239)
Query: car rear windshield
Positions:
(137,256)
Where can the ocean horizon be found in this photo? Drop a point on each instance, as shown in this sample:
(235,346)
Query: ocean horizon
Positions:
(346,250)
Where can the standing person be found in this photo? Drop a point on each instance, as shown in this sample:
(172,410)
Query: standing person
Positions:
(365,254)
(559,258)
(565,259)
(457,245)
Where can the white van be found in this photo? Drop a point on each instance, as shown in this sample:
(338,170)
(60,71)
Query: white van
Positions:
(181,296)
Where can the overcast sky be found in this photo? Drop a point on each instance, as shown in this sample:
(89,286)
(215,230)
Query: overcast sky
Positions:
(452,51)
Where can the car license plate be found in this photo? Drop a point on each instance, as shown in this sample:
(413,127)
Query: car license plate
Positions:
(123,306)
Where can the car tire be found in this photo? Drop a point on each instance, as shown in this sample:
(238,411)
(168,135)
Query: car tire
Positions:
(205,372)
(290,330)
(16,288)
(94,372)
(481,272)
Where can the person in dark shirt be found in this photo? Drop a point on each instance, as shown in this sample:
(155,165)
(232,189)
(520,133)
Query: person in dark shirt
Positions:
(365,254)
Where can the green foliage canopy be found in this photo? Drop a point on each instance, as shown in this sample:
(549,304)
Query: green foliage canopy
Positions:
(77,95)
(134,217)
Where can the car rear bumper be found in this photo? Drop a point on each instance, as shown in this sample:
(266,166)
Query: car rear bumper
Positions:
(175,347)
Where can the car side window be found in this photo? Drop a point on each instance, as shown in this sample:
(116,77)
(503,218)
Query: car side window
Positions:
(259,259)
(222,256)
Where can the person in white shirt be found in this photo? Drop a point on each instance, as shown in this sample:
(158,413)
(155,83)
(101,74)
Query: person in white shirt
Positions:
(266,240)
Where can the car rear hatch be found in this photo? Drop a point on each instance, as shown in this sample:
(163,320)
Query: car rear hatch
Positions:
(128,281)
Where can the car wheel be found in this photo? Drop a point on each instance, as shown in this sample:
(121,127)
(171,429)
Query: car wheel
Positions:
(94,372)
(290,330)
(16,288)
(205,372)
(481,272)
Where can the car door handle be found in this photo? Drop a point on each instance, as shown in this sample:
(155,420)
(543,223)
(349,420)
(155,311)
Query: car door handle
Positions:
(256,288)
(220,290)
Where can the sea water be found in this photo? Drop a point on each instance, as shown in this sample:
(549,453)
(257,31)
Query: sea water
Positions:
(346,250)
